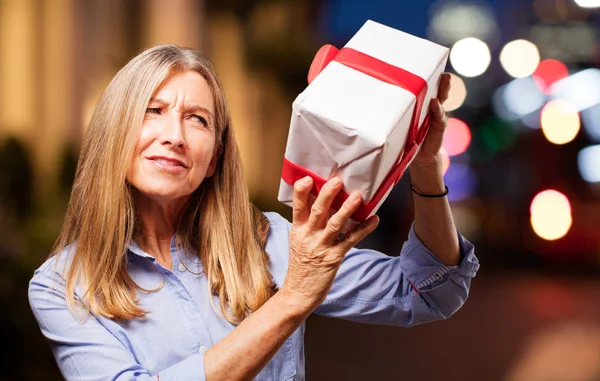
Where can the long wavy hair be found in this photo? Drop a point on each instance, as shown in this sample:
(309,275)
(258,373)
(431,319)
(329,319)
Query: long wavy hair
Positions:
(219,224)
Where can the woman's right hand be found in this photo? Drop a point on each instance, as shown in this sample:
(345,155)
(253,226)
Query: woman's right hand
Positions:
(316,251)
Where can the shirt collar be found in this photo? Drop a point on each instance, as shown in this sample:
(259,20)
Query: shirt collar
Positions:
(135,249)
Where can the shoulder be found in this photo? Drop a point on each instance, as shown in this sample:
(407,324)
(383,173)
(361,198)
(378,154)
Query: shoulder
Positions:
(277,221)
(53,272)
(278,246)
(58,262)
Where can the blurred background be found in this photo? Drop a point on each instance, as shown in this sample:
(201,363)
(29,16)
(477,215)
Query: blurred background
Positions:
(522,148)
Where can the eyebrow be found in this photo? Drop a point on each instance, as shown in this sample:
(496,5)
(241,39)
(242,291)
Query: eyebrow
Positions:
(192,108)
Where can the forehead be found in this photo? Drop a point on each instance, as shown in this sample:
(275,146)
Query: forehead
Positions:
(188,88)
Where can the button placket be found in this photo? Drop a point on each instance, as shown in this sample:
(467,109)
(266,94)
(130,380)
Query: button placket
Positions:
(199,333)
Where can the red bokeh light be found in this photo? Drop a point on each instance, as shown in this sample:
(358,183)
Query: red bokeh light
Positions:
(549,72)
(457,137)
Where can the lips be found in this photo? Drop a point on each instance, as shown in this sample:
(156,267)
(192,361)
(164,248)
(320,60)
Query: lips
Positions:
(167,162)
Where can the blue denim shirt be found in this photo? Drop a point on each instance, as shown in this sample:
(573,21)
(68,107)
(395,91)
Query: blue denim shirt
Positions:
(169,343)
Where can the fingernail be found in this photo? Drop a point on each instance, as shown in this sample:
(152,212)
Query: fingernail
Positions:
(306,180)
(355,197)
(336,181)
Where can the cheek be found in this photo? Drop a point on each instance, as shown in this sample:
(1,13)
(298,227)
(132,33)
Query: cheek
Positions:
(144,140)
(147,135)
(202,148)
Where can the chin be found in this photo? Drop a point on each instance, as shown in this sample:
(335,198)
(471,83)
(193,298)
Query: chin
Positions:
(171,193)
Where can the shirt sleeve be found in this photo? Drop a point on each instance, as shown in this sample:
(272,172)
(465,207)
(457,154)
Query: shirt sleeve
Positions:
(83,348)
(413,288)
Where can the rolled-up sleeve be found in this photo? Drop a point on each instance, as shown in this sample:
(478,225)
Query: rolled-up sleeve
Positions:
(413,288)
(84,349)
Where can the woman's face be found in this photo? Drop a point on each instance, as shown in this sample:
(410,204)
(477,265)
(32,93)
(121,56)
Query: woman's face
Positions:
(176,148)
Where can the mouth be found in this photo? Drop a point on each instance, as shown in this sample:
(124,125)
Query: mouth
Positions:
(167,162)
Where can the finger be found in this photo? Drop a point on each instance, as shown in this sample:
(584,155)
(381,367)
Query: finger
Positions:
(439,118)
(300,203)
(337,222)
(444,88)
(320,208)
(357,234)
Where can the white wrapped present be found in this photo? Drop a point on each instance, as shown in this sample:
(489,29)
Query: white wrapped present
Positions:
(363,115)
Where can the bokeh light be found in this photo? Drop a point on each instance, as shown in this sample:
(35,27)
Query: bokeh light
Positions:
(588,3)
(500,107)
(520,58)
(452,21)
(548,72)
(591,122)
(560,121)
(462,180)
(495,135)
(580,89)
(470,57)
(532,120)
(457,94)
(521,96)
(551,215)
(457,137)
(588,161)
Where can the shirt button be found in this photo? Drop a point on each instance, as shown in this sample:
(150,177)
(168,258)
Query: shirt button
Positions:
(181,267)
(201,349)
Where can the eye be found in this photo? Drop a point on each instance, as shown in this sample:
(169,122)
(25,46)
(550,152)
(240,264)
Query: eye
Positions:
(200,119)
(153,110)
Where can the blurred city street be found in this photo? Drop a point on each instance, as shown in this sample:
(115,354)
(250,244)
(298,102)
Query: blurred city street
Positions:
(522,150)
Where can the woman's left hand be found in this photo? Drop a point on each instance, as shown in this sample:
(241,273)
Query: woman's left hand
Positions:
(430,150)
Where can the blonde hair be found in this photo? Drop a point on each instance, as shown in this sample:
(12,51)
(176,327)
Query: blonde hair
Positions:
(219,225)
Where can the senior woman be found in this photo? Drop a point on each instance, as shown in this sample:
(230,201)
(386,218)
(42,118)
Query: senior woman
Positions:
(164,270)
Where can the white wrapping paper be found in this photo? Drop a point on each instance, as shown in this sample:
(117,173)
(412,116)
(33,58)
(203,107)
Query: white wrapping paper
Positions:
(349,124)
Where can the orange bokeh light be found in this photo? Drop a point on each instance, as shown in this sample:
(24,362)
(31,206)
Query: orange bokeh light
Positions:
(551,215)
(560,121)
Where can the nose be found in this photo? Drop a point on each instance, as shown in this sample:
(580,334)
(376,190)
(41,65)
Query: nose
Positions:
(173,130)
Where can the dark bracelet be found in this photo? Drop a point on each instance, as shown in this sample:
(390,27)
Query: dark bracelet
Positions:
(412,188)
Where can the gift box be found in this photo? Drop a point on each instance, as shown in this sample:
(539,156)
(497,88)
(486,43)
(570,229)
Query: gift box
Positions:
(363,115)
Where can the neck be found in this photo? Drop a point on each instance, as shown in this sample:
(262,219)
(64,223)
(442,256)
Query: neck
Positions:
(157,224)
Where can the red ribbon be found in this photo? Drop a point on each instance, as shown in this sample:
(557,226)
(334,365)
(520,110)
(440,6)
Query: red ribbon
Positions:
(387,73)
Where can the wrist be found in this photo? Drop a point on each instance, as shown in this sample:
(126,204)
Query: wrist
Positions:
(295,305)
(427,177)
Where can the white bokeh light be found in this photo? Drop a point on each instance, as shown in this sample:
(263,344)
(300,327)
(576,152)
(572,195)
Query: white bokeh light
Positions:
(470,57)
(588,161)
(522,96)
(591,122)
(452,21)
(581,89)
(519,58)
(588,3)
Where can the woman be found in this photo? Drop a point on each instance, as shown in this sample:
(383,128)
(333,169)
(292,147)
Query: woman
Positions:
(164,270)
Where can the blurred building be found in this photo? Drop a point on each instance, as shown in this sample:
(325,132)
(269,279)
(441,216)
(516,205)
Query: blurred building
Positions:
(59,55)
